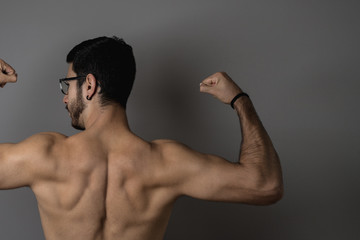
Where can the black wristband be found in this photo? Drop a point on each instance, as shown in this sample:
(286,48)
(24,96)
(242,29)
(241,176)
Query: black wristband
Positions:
(236,97)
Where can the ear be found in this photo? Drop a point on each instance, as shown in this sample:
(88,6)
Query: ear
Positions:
(90,84)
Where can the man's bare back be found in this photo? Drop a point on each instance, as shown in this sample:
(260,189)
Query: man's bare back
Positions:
(107,188)
(106,183)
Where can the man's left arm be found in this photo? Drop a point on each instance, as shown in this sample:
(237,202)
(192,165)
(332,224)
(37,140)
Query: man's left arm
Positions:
(22,163)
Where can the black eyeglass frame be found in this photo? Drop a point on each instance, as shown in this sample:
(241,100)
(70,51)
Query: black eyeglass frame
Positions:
(68,79)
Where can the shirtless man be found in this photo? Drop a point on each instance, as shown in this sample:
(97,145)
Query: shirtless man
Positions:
(106,183)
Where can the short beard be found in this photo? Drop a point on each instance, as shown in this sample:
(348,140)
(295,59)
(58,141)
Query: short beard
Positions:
(76,109)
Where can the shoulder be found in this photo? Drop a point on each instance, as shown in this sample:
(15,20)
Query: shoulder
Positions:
(40,143)
(45,138)
(35,145)
(42,152)
(174,152)
(30,159)
(181,165)
(168,147)
(161,143)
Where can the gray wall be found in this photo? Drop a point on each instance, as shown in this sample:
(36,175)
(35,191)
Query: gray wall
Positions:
(298,60)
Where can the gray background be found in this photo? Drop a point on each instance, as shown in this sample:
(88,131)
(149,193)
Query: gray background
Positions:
(298,60)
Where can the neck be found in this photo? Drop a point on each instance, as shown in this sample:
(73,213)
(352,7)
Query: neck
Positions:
(111,117)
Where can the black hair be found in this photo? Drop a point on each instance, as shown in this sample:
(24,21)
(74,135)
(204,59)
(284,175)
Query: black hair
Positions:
(112,63)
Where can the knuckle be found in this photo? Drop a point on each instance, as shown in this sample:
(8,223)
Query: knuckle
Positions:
(218,74)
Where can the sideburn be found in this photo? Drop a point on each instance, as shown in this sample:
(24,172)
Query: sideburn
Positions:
(78,108)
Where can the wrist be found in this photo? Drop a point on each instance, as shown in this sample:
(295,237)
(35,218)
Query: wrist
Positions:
(237,97)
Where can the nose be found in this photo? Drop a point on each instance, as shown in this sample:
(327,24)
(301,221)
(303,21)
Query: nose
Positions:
(65,99)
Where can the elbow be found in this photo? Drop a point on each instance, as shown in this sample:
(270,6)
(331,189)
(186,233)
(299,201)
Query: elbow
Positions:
(271,196)
(268,193)
(269,188)
(272,189)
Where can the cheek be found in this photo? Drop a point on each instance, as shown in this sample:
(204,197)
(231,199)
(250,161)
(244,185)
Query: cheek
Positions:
(73,92)
(71,99)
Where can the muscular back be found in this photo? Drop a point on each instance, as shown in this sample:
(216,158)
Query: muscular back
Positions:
(95,188)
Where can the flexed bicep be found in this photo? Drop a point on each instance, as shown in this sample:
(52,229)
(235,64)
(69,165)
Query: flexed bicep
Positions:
(23,163)
(14,170)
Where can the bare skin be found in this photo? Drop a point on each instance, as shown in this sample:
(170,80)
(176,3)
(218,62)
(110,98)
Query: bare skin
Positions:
(106,183)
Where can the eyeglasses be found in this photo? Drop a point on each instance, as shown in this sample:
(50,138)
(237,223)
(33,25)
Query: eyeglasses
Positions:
(64,85)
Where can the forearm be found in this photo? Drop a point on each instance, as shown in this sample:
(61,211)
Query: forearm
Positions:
(257,152)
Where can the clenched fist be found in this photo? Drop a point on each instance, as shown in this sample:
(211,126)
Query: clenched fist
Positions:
(221,86)
(7,73)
